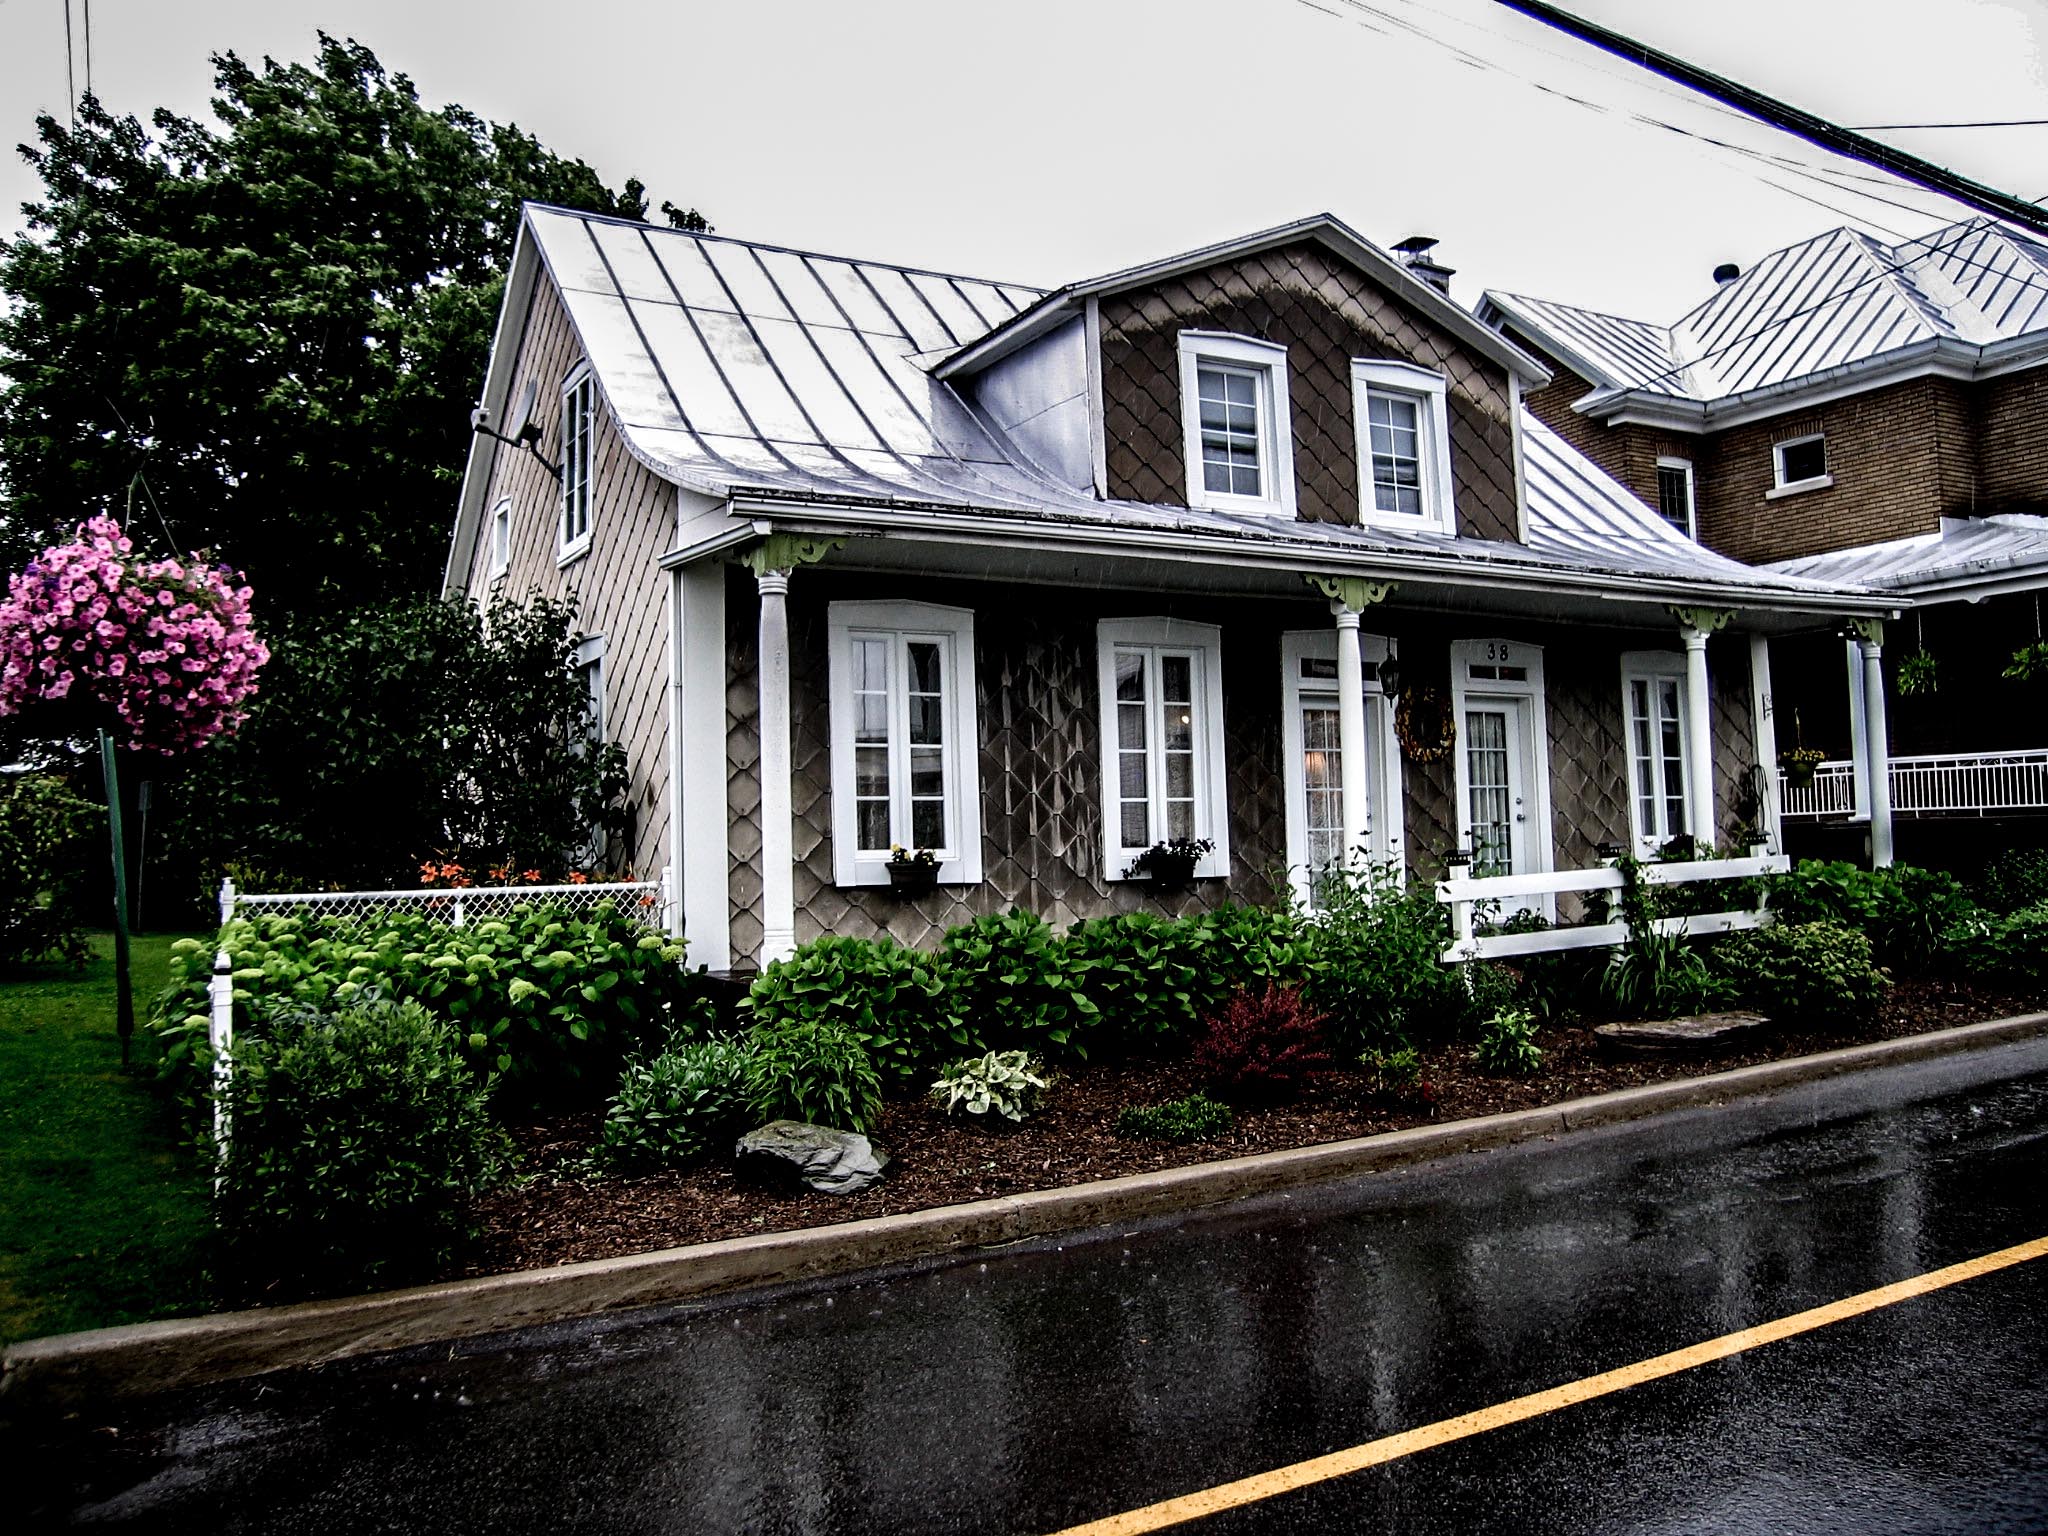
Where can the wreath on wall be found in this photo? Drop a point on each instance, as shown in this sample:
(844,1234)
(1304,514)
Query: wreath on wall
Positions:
(1424,725)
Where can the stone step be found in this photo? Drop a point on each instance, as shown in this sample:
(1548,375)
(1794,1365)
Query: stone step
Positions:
(1701,1034)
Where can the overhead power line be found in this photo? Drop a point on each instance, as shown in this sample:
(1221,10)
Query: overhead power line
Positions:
(2008,122)
(1768,109)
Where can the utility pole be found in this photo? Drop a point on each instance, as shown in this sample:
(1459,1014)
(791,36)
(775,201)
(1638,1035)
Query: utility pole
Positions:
(1768,109)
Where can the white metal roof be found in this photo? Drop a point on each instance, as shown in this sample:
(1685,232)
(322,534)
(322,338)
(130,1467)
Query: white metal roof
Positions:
(759,373)
(1966,553)
(1839,300)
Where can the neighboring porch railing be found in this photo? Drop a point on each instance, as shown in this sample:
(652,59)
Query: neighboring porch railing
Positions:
(1938,784)
(1463,895)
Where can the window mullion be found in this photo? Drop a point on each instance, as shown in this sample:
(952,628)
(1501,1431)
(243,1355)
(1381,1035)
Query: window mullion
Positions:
(1155,746)
(899,741)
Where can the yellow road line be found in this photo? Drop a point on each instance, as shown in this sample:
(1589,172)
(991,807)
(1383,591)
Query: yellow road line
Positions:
(1303,1474)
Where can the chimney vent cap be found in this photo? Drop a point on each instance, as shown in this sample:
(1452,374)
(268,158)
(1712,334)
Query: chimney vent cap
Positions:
(1726,273)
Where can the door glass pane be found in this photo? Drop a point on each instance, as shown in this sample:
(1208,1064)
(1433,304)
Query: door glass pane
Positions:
(1672,758)
(1492,808)
(1322,777)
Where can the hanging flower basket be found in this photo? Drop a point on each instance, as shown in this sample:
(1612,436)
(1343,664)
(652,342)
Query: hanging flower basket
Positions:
(1799,765)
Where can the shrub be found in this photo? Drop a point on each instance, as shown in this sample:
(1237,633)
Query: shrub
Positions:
(46,839)
(1914,917)
(1009,1082)
(895,1001)
(1007,977)
(1239,947)
(678,1107)
(555,1004)
(1654,974)
(1507,1043)
(1397,1075)
(1263,1045)
(1805,973)
(1144,975)
(2014,879)
(1194,1118)
(358,1135)
(814,1071)
(1378,969)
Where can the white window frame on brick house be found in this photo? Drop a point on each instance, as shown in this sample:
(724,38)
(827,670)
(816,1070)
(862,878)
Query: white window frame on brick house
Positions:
(1264,365)
(579,424)
(1670,463)
(884,632)
(501,540)
(1661,676)
(1404,385)
(1784,486)
(1308,681)
(1151,643)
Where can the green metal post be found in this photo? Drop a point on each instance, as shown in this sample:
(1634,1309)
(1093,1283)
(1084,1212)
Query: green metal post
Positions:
(124,999)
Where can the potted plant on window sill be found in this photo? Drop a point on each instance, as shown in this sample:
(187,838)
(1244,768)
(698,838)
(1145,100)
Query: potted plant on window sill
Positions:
(1171,865)
(913,872)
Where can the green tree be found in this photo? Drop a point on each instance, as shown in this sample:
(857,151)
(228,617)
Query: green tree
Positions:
(278,320)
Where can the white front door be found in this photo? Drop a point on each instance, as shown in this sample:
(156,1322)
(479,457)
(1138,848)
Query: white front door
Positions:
(1496,753)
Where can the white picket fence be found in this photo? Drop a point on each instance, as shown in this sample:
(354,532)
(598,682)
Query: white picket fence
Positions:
(651,901)
(1504,893)
(1934,784)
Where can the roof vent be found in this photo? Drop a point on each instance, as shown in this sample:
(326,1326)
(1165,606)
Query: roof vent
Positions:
(1726,273)
(1414,255)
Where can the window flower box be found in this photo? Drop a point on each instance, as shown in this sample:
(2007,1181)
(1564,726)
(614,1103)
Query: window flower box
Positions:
(913,872)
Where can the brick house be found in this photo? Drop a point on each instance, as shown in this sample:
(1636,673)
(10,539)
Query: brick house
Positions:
(1864,413)
(1255,548)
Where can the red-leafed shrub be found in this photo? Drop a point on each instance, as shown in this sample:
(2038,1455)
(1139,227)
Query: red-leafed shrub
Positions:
(1263,1045)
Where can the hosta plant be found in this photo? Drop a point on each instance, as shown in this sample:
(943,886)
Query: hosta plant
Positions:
(1007,1083)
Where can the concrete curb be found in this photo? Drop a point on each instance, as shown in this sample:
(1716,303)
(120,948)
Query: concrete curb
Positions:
(68,1371)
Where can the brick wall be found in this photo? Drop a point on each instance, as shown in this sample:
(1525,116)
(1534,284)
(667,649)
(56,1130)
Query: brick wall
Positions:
(2012,442)
(1628,453)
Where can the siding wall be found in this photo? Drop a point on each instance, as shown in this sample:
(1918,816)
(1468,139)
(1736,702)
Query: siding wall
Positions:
(620,593)
(1325,314)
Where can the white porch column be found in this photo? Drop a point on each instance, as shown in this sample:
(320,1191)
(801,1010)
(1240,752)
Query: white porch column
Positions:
(1351,748)
(1878,767)
(1765,724)
(1699,719)
(1859,742)
(778,887)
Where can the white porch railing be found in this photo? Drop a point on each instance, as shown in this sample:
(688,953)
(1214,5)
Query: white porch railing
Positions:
(1462,895)
(1939,784)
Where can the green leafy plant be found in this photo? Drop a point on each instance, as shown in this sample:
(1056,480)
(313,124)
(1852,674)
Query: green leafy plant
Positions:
(1144,973)
(46,838)
(1397,1076)
(1263,1046)
(1507,1043)
(1654,974)
(1173,862)
(1010,1083)
(358,1136)
(1007,975)
(1805,973)
(1913,916)
(2014,878)
(677,1108)
(899,1003)
(1919,674)
(2028,662)
(1378,970)
(815,1071)
(1194,1118)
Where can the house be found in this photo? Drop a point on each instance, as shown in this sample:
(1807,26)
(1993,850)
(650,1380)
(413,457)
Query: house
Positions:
(1256,547)
(1860,413)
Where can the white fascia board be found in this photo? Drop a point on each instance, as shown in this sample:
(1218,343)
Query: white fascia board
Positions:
(1019,331)
(506,338)
(843,520)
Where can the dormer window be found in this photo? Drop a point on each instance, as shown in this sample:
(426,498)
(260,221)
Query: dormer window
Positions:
(1404,446)
(1236,424)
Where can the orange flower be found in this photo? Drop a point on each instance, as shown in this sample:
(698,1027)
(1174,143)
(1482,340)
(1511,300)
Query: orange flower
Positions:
(531,876)
(577,877)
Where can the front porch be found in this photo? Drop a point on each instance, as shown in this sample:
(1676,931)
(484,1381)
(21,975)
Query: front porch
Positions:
(1931,784)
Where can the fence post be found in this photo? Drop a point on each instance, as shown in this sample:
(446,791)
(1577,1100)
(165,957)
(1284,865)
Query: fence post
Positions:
(668,899)
(220,1037)
(458,919)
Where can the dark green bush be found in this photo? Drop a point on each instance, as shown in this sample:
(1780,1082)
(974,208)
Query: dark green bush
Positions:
(2014,879)
(357,1137)
(895,1001)
(677,1108)
(1378,970)
(1194,1118)
(1144,974)
(815,1071)
(1008,977)
(1802,973)
(1913,917)
(553,1003)
(2011,947)
(47,836)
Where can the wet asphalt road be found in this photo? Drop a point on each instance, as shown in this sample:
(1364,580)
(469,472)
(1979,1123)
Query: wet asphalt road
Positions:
(1055,1383)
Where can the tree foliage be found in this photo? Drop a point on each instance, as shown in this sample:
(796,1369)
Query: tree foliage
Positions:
(277,320)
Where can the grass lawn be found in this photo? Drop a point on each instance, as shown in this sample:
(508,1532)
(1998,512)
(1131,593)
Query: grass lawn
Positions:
(102,1212)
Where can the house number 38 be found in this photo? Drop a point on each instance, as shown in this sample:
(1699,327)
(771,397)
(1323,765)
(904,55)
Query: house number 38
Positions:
(1495,651)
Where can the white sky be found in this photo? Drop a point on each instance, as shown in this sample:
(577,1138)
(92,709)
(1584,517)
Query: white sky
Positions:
(1050,142)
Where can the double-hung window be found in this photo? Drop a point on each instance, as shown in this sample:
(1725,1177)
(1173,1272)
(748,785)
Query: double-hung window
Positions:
(1401,414)
(1653,704)
(579,419)
(1675,495)
(1162,734)
(904,763)
(1236,423)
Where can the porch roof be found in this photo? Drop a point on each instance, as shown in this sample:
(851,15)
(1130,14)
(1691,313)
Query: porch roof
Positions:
(1975,556)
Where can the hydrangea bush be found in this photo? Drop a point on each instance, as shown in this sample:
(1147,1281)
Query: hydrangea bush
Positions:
(159,651)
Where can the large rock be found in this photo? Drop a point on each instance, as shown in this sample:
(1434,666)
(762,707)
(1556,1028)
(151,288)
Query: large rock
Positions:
(790,1154)
(1704,1034)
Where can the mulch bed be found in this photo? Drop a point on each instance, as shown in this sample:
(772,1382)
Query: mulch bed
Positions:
(557,1214)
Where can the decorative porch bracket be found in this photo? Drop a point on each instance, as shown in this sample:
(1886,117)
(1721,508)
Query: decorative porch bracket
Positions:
(1353,592)
(787,551)
(1869,631)
(1708,621)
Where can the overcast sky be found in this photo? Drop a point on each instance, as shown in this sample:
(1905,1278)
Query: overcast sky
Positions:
(1050,142)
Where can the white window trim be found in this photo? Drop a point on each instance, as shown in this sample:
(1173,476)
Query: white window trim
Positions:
(1784,487)
(1540,838)
(959,864)
(1692,521)
(1387,835)
(568,549)
(589,654)
(1276,420)
(1652,666)
(1212,810)
(1389,376)
(501,540)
